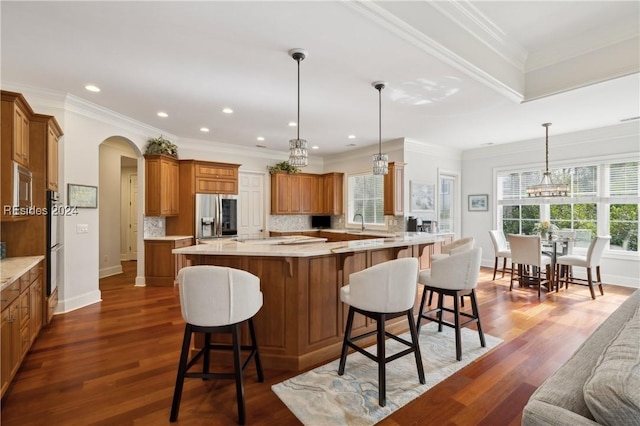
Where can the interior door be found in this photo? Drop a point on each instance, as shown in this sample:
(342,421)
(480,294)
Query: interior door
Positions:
(250,205)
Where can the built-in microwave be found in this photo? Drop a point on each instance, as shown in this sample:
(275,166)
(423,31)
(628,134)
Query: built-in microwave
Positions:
(21,186)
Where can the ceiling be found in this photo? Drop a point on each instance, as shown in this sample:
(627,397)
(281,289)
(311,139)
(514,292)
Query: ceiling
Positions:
(461,74)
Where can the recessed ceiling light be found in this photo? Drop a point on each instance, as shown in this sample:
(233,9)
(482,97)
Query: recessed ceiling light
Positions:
(352,136)
(315,147)
(92,88)
(292,124)
(163,114)
(260,138)
(204,129)
(227,110)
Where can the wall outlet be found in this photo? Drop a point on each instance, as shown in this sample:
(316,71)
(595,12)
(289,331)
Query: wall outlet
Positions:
(82,228)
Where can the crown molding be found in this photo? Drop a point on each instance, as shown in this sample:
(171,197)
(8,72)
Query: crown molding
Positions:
(394,145)
(432,149)
(391,22)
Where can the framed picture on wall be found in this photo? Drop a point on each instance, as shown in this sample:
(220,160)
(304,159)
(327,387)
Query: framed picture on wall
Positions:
(479,203)
(423,197)
(82,196)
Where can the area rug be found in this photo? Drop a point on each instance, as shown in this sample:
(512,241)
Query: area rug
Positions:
(321,397)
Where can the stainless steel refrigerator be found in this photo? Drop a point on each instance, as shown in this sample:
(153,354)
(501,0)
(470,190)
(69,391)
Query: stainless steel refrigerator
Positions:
(216,216)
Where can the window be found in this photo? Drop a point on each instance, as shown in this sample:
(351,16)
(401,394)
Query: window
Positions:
(603,200)
(446,203)
(366,197)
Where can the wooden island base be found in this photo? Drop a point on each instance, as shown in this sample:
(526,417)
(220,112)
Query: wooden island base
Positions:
(301,323)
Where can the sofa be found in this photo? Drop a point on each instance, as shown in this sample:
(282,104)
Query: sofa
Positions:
(600,383)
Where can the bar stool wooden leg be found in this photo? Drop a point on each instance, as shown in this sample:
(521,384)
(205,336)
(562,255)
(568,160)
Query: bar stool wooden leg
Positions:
(382,376)
(182,369)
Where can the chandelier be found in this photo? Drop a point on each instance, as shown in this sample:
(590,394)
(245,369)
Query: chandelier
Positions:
(298,155)
(380,160)
(546,187)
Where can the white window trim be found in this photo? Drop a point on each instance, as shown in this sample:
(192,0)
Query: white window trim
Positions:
(357,226)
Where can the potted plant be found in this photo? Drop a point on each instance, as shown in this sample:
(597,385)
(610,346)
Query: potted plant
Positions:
(161,145)
(283,166)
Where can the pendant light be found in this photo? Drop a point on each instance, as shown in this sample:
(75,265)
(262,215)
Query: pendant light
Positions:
(380,160)
(298,156)
(546,187)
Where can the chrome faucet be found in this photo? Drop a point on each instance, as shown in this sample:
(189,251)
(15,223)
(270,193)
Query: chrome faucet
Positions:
(361,220)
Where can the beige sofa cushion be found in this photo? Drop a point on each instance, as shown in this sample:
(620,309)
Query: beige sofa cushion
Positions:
(612,392)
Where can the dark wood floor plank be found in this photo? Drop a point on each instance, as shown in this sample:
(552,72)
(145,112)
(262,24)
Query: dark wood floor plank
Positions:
(114,363)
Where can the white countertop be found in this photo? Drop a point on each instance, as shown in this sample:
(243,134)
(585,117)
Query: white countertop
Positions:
(235,248)
(12,268)
(169,238)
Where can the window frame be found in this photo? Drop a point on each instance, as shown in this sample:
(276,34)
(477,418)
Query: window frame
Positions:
(349,222)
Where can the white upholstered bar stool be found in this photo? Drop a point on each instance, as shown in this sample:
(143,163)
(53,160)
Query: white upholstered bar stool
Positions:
(455,276)
(501,249)
(384,291)
(216,299)
(590,261)
(457,246)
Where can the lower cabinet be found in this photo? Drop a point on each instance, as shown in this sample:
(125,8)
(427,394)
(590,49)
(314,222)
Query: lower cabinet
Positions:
(161,267)
(22,308)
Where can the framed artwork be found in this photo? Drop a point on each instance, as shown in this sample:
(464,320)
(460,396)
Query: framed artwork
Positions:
(82,196)
(423,197)
(479,203)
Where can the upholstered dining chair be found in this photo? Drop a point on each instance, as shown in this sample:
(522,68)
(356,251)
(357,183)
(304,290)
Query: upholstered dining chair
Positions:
(528,261)
(216,299)
(590,261)
(456,276)
(501,249)
(383,291)
(457,246)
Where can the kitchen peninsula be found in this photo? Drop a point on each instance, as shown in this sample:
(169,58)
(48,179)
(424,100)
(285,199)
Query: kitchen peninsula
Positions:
(302,319)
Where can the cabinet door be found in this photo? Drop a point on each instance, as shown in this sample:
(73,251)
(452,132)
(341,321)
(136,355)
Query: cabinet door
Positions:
(309,194)
(332,193)
(36,307)
(280,193)
(394,190)
(20,136)
(295,194)
(5,347)
(162,181)
(52,160)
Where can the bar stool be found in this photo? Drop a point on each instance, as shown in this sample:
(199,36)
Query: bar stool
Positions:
(455,276)
(384,291)
(216,299)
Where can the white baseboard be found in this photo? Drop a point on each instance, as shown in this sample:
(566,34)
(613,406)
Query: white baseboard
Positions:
(112,270)
(140,282)
(69,305)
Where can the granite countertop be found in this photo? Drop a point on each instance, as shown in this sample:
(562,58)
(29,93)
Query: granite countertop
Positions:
(168,238)
(12,268)
(238,248)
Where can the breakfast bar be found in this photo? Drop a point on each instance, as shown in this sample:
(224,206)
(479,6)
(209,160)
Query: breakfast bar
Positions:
(301,323)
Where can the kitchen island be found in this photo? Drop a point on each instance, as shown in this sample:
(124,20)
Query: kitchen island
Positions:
(302,320)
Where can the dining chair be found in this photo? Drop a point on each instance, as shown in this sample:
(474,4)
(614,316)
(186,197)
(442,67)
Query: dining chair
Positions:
(216,299)
(381,292)
(527,262)
(501,249)
(590,261)
(455,276)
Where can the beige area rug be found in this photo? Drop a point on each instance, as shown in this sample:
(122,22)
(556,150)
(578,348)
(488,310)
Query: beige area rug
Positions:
(321,397)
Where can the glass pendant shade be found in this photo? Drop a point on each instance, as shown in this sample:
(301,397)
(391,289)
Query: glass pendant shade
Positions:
(298,155)
(380,164)
(546,187)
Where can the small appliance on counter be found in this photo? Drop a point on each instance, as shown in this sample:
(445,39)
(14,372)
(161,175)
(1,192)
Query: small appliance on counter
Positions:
(320,222)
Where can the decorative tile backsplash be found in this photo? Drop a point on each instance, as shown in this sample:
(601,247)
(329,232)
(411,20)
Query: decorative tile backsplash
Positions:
(154,226)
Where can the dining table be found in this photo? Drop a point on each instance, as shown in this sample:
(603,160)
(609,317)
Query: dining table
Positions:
(553,246)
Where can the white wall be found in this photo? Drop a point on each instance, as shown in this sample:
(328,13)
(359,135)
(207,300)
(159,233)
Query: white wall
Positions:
(479,166)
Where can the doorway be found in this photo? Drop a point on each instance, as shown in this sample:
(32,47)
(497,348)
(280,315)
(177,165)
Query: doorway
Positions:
(251,205)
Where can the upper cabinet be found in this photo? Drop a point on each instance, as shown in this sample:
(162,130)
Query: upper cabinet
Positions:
(46,132)
(216,178)
(394,190)
(305,193)
(162,185)
(16,114)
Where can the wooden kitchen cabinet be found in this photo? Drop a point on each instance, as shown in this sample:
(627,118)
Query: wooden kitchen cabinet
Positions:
(306,193)
(332,193)
(16,114)
(216,178)
(45,131)
(162,185)
(394,190)
(161,267)
(22,309)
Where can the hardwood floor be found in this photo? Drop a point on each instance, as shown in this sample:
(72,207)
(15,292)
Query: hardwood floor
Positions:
(114,363)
